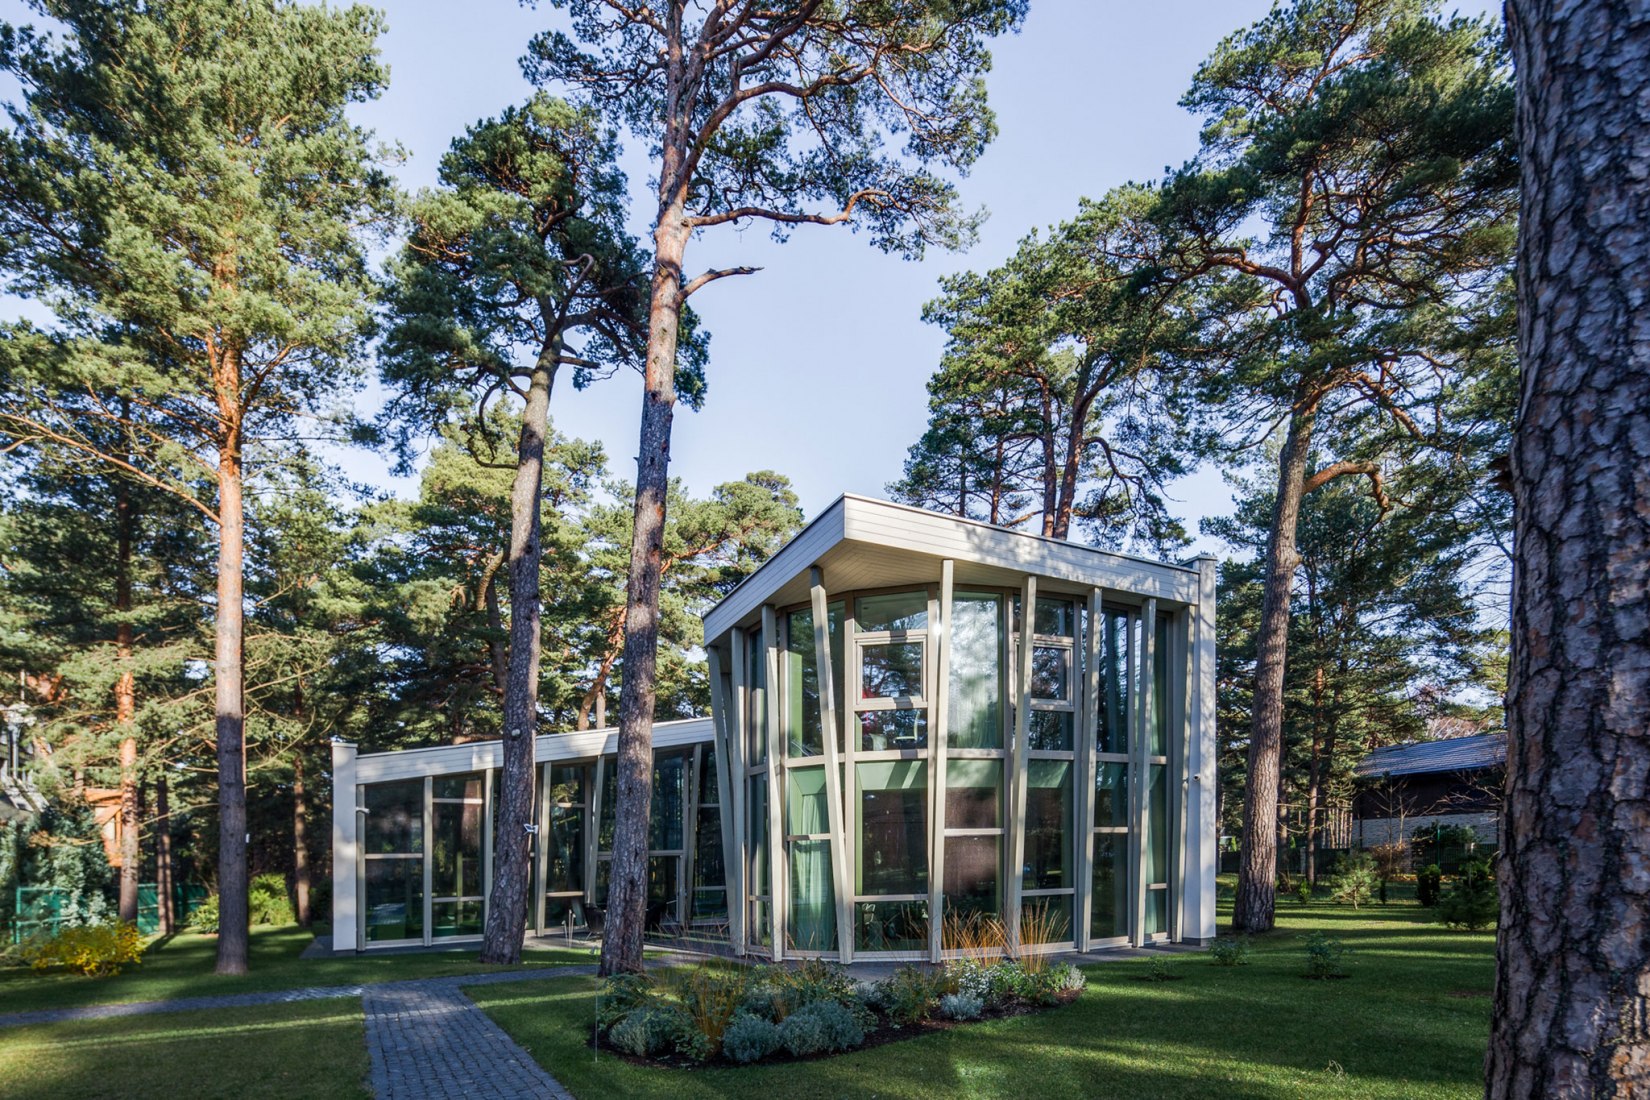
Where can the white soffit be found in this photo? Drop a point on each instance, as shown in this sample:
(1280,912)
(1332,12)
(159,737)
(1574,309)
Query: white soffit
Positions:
(860,542)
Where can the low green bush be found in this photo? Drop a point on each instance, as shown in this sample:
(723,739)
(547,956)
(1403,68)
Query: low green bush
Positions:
(645,1031)
(268,902)
(1325,956)
(1355,880)
(95,950)
(203,919)
(1229,951)
(622,994)
(908,995)
(1471,903)
(1428,883)
(961,1006)
(1161,969)
(1303,892)
(749,1039)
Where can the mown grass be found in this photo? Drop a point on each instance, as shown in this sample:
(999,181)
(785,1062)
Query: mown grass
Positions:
(1410,1022)
(182,967)
(315,1050)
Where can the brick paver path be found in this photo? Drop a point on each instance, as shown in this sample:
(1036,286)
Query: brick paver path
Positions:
(426,1040)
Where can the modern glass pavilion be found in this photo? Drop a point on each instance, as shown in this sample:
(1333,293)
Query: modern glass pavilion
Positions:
(889,750)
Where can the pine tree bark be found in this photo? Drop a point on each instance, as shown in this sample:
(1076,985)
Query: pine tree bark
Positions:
(1573,955)
(229,678)
(126,698)
(300,843)
(163,857)
(1254,909)
(627,892)
(513,845)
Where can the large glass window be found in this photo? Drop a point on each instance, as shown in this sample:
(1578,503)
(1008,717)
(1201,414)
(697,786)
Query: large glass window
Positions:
(973,794)
(393,850)
(395,900)
(804,718)
(893,837)
(756,698)
(1109,915)
(898,611)
(812,918)
(455,855)
(1048,845)
(975,712)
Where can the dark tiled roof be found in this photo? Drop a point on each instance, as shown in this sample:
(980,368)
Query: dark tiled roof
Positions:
(1457,754)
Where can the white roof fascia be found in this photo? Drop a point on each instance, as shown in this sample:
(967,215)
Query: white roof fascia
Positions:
(884,524)
(824,532)
(384,767)
(902,527)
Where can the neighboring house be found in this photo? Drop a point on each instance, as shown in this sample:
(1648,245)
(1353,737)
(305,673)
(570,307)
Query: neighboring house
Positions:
(886,752)
(1403,788)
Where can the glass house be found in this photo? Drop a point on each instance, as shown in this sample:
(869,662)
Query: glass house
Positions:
(915,718)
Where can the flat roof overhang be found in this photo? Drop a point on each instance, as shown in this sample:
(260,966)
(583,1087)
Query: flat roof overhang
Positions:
(475,756)
(861,543)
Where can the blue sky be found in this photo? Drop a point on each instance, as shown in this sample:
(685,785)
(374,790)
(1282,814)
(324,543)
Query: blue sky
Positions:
(818,363)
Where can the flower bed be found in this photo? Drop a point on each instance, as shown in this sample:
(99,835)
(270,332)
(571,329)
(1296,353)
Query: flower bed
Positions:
(722,1013)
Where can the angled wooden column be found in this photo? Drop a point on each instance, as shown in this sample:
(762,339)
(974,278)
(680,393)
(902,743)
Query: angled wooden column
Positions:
(1088,733)
(1020,761)
(730,773)
(1139,764)
(592,836)
(1179,788)
(541,846)
(938,734)
(831,730)
(778,883)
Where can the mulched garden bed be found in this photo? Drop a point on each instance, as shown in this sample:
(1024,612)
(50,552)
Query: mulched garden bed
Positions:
(880,1035)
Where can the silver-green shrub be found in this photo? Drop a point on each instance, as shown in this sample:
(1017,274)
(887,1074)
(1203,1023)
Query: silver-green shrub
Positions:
(749,1039)
(961,1006)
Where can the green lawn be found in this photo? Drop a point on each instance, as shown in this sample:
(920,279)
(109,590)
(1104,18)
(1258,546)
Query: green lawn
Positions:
(182,967)
(315,1050)
(1412,1021)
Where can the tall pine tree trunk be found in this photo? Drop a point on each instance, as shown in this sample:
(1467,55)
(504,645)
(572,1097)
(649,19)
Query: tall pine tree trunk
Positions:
(1255,906)
(512,850)
(126,698)
(627,894)
(229,676)
(164,878)
(1573,955)
(300,843)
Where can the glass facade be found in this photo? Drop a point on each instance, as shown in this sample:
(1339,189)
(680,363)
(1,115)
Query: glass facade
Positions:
(1060,821)
(960,746)
(424,867)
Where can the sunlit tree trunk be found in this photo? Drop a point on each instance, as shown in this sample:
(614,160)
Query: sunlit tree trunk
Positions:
(229,677)
(1573,955)
(627,895)
(1255,907)
(512,850)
